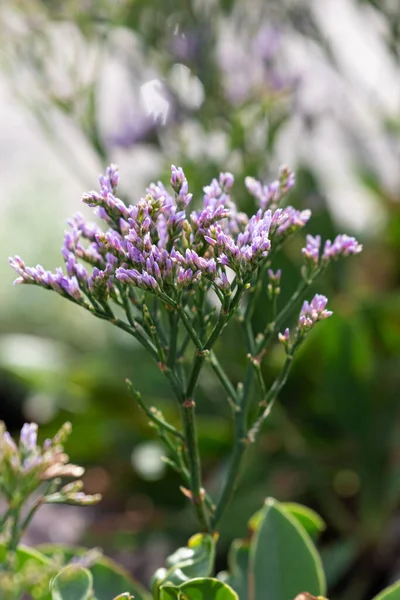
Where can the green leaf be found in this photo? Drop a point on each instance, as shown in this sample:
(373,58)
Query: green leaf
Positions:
(73,582)
(391,593)
(238,562)
(194,560)
(283,559)
(308,518)
(109,578)
(201,588)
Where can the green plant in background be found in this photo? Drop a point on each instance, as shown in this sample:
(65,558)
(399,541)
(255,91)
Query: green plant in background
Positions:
(277,559)
(174,280)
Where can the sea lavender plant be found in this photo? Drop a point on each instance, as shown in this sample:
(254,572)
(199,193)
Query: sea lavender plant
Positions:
(180,275)
(33,473)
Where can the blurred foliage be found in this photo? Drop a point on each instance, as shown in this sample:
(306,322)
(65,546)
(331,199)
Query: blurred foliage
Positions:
(333,441)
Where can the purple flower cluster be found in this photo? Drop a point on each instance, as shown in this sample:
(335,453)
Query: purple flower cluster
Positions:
(312,312)
(26,465)
(342,245)
(27,458)
(270,195)
(156,246)
(66,286)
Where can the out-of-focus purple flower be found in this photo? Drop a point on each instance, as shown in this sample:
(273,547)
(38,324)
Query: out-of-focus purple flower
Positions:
(342,245)
(236,52)
(109,181)
(28,436)
(273,287)
(265,194)
(180,186)
(291,220)
(132,130)
(312,312)
(267,42)
(270,195)
(26,466)
(311,250)
(284,337)
(287,179)
(274,277)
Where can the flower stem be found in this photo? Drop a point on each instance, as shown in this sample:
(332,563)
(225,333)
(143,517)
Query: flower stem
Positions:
(154,416)
(197,492)
(232,476)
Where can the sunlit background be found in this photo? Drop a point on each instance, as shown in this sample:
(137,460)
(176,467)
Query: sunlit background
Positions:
(243,86)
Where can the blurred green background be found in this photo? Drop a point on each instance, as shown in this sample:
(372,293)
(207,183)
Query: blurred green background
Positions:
(239,85)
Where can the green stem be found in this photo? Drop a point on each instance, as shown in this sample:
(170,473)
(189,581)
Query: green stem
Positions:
(197,492)
(15,530)
(240,423)
(232,476)
(273,327)
(267,404)
(4,518)
(153,414)
(138,334)
(222,376)
(128,308)
(173,319)
(189,327)
(178,465)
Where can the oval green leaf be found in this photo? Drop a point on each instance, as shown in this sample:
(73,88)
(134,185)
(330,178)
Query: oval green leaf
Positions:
(283,559)
(109,578)
(390,593)
(73,582)
(201,588)
(308,518)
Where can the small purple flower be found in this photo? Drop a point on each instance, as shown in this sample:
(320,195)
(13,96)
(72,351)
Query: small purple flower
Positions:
(11,446)
(178,178)
(286,179)
(28,436)
(291,220)
(311,250)
(312,312)
(109,181)
(284,337)
(343,245)
(265,194)
(180,186)
(226,181)
(275,277)
(270,195)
